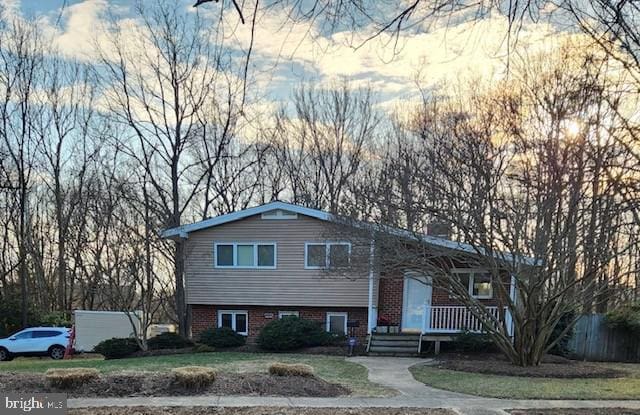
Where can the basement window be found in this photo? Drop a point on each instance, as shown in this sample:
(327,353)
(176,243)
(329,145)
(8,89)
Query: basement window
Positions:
(237,321)
(337,323)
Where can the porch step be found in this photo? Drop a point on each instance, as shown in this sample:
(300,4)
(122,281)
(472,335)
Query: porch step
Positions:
(394,344)
(396,336)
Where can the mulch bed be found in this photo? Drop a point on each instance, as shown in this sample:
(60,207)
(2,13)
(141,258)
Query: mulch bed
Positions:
(551,367)
(258,411)
(318,350)
(161,384)
(162,352)
(584,411)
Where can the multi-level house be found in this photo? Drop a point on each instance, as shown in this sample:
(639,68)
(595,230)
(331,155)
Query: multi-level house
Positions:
(246,268)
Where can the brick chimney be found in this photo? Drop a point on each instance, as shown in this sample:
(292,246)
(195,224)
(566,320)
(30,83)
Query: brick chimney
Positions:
(439,229)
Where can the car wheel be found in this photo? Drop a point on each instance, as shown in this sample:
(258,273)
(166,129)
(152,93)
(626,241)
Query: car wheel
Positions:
(4,355)
(56,352)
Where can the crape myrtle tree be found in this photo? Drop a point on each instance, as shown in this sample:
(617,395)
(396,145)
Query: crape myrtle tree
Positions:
(520,172)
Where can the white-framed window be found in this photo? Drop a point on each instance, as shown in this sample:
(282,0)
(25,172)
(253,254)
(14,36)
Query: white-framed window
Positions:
(321,255)
(245,255)
(478,282)
(288,314)
(337,322)
(236,320)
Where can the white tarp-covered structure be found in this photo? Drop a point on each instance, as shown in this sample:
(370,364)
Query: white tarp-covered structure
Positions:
(92,327)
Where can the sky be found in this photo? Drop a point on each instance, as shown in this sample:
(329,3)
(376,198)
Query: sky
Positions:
(286,54)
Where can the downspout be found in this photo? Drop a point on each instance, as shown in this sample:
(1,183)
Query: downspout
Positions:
(513,297)
(370,314)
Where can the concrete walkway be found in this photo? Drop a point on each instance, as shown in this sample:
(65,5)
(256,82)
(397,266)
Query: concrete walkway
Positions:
(389,372)
(393,373)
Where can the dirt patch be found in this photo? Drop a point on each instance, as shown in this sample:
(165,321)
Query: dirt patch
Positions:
(162,352)
(584,411)
(258,411)
(551,367)
(319,350)
(161,384)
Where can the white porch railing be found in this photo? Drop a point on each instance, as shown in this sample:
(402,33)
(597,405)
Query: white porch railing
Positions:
(453,319)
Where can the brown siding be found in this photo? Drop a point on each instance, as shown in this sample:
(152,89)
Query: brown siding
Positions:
(290,284)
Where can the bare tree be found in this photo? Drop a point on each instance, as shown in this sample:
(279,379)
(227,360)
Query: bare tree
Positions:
(517,172)
(159,85)
(21,58)
(322,146)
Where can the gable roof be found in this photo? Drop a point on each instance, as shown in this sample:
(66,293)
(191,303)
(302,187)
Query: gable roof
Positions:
(184,230)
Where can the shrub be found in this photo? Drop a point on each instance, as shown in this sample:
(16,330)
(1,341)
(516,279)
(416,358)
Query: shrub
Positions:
(625,318)
(117,348)
(473,342)
(11,317)
(55,319)
(194,377)
(221,337)
(292,333)
(286,369)
(561,348)
(70,377)
(203,348)
(168,341)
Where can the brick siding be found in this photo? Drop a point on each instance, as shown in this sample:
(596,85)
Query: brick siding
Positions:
(205,317)
(390,293)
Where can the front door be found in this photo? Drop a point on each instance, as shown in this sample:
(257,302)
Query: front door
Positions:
(417,295)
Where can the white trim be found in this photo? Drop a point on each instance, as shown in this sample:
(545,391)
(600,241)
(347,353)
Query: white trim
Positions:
(472,272)
(286,313)
(371,323)
(232,217)
(327,245)
(337,314)
(306,255)
(514,298)
(428,299)
(255,255)
(233,319)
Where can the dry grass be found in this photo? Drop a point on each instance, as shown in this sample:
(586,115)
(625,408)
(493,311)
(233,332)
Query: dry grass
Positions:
(70,377)
(194,377)
(290,369)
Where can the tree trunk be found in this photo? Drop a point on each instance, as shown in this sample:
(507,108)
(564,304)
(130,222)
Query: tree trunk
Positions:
(183,322)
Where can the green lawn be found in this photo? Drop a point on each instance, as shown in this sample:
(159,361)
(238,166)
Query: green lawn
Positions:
(532,388)
(333,369)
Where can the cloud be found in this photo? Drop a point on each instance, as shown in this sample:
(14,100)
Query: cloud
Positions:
(84,26)
(286,53)
(9,8)
(468,49)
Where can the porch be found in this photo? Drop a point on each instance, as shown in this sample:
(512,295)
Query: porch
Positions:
(438,324)
(452,319)
(412,304)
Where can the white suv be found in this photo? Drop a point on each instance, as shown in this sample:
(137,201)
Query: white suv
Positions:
(35,341)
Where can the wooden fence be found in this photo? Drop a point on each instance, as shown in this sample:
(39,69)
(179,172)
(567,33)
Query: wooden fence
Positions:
(593,340)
